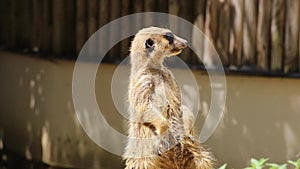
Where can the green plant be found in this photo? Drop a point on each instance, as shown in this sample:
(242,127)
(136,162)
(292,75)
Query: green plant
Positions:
(276,166)
(257,164)
(262,164)
(223,166)
(295,163)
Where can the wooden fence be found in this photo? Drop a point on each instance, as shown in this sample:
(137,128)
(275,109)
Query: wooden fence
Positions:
(251,35)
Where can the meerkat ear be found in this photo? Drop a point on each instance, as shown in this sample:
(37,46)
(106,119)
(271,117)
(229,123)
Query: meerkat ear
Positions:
(149,44)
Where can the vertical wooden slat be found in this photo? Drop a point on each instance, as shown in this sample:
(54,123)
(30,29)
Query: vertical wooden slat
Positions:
(58,27)
(224,32)
(162,6)
(236,33)
(212,18)
(137,8)
(2,23)
(3,12)
(211,31)
(103,19)
(299,40)
(291,50)
(249,33)
(198,42)
(36,26)
(199,13)
(115,12)
(92,24)
(70,40)
(185,12)
(149,6)
(12,23)
(24,23)
(125,30)
(15,18)
(103,12)
(7,27)
(92,16)
(173,10)
(115,9)
(263,34)
(277,34)
(81,27)
(46,27)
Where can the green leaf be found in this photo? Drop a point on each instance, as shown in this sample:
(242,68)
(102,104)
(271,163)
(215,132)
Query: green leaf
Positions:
(276,166)
(223,166)
(283,166)
(272,165)
(262,161)
(295,163)
(258,164)
(254,163)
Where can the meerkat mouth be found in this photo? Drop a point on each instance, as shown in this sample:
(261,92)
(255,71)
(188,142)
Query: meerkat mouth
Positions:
(176,51)
(179,46)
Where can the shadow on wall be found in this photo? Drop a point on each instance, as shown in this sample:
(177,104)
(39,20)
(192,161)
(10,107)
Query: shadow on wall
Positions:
(261,120)
(37,115)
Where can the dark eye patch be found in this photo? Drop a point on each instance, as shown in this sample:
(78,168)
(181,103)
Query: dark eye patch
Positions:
(170,37)
(149,44)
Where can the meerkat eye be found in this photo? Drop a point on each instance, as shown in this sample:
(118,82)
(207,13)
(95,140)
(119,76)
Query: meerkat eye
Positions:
(170,37)
(149,43)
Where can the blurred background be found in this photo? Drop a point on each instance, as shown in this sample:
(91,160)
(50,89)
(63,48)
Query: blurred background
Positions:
(258,42)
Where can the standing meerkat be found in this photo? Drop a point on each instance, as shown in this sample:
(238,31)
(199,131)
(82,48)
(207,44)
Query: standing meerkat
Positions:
(160,128)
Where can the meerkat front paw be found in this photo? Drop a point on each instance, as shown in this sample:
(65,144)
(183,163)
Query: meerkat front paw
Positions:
(163,146)
(161,125)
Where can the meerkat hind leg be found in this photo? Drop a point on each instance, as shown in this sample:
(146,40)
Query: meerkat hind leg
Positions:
(145,163)
(190,155)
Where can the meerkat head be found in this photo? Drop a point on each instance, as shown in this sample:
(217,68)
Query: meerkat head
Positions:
(155,44)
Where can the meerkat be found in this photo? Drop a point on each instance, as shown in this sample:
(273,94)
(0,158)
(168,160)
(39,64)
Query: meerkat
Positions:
(160,128)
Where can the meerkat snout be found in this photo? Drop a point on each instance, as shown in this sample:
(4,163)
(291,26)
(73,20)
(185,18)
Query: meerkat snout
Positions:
(179,44)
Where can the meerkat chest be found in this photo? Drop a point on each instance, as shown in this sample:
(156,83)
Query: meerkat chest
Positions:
(157,85)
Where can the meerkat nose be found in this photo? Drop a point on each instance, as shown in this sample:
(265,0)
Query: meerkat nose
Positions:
(180,43)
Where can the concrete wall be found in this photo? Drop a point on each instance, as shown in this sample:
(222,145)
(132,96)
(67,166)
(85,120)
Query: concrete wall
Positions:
(37,116)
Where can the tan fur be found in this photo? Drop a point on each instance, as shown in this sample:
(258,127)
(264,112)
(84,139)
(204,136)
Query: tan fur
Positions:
(160,127)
